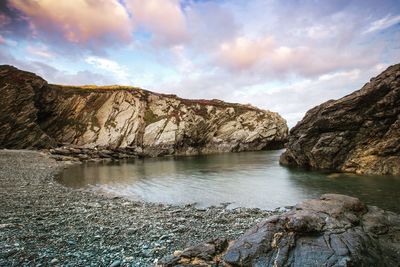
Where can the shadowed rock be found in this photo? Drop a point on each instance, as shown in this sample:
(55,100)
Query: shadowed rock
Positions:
(18,113)
(335,230)
(357,133)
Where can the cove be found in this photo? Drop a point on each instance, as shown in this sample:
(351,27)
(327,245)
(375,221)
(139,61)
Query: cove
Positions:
(248,179)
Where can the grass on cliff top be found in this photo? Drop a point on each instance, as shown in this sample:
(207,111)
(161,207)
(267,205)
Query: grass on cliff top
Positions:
(213,102)
(103,87)
(72,89)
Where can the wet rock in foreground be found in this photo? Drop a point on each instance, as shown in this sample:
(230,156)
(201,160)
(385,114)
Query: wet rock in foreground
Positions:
(335,230)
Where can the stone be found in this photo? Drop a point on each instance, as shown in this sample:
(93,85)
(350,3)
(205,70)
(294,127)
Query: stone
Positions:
(199,255)
(334,230)
(117,121)
(116,263)
(169,260)
(358,133)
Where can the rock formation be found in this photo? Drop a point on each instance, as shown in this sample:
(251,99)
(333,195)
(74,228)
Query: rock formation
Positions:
(18,114)
(35,114)
(335,230)
(357,133)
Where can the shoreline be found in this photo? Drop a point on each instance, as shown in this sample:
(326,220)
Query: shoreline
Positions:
(44,223)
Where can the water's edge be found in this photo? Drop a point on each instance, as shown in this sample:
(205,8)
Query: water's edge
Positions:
(226,178)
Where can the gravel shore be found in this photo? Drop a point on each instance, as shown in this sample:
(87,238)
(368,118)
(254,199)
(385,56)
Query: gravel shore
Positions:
(43,223)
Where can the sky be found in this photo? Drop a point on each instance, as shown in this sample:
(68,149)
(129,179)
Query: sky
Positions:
(286,56)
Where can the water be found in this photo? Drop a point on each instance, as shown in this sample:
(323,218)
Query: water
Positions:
(251,179)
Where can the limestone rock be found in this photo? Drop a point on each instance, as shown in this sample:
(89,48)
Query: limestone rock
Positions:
(335,230)
(357,133)
(128,118)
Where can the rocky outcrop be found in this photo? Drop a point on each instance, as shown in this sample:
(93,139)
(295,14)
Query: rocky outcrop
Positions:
(357,133)
(18,114)
(134,119)
(335,230)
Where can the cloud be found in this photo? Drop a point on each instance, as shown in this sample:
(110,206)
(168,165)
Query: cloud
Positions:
(4,20)
(264,56)
(7,42)
(383,23)
(79,21)
(120,72)
(210,24)
(163,18)
(40,51)
(54,75)
(243,53)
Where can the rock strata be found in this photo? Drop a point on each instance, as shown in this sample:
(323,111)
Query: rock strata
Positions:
(18,113)
(335,230)
(133,119)
(357,133)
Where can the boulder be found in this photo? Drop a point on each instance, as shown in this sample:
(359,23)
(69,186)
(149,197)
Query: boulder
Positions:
(357,133)
(335,230)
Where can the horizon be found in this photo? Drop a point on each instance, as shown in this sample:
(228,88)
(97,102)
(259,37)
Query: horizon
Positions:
(248,53)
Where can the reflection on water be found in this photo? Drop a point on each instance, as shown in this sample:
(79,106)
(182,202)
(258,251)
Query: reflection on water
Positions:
(251,179)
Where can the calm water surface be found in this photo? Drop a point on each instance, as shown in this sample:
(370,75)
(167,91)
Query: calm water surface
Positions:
(250,179)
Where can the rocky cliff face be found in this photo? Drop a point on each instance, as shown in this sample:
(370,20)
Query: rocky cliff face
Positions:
(37,114)
(18,114)
(357,133)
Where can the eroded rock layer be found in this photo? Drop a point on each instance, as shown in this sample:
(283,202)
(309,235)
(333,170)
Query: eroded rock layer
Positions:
(18,113)
(357,133)
(126,117)
(335,230)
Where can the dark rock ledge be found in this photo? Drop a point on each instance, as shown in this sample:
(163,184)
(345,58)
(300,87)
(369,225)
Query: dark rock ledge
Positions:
(335,230)
(76,153)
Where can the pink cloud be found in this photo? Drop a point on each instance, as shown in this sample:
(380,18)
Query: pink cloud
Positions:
(164,18)
(265,56)
(79,21)
(243,53)
(4,20)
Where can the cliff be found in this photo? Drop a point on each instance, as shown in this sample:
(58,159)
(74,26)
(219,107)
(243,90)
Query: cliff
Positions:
(18,114)
(357,133)
(35,114)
